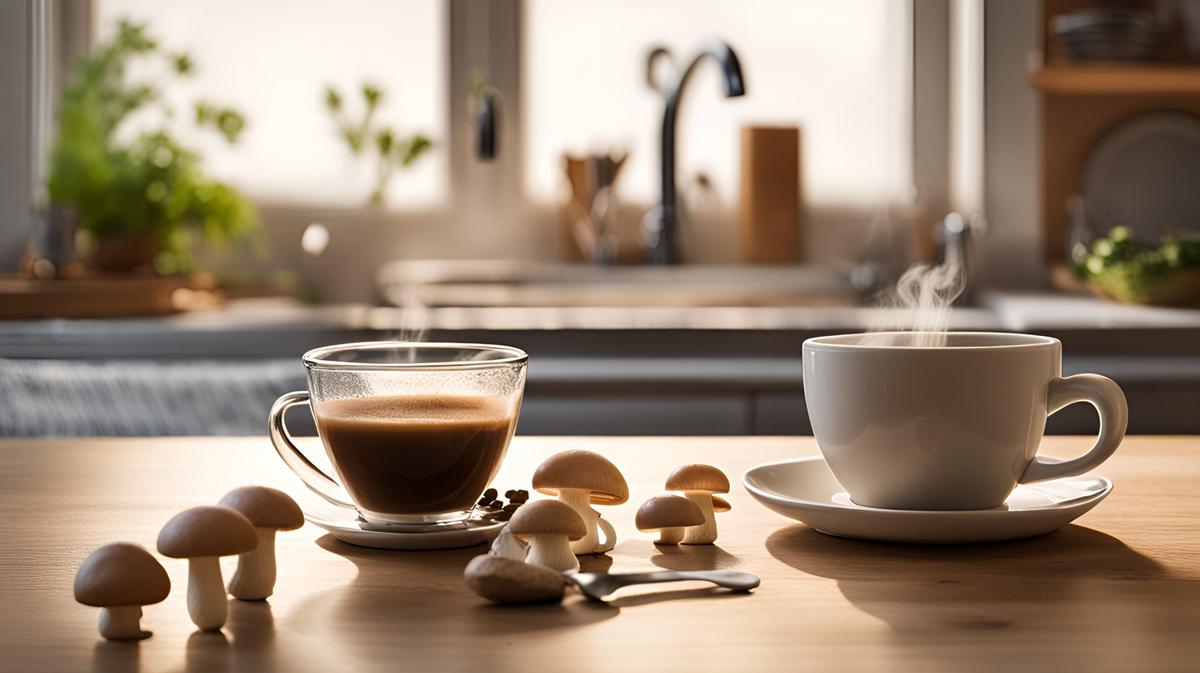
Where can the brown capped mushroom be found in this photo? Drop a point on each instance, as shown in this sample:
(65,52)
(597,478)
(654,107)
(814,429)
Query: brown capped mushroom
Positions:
(119,579)
(504,580)
(669,515)
(581,479)
(269,510)
(548,526)
(202,535)
(698,483)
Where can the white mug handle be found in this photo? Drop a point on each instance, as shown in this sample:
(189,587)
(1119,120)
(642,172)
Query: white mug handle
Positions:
(607,533)
(312,476)
(1102,393)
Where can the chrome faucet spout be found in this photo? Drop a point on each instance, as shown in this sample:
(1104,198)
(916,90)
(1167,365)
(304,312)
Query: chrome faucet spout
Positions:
(661,224)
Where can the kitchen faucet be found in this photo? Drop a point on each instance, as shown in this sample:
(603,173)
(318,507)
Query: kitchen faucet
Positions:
(661,224)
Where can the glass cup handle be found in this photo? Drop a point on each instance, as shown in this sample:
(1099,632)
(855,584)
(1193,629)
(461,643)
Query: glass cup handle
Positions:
(312,476)
(1102,393)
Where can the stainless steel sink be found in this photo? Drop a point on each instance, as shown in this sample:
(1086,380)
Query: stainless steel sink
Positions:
(439,283)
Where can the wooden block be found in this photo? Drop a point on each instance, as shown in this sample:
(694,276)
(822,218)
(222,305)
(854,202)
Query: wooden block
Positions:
(770,217)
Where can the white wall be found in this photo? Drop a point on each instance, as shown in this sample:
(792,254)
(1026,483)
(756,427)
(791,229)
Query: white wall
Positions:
(1010,254)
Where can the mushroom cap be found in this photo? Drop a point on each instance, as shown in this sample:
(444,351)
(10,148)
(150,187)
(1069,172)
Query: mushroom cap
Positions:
(668,511)
(207,531)
(265,507)
(698,477)
(121,574)
(546,517)
(585,470)
(721,504)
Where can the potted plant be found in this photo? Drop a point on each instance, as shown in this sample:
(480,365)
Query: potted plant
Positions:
(1121,267)
(140,198)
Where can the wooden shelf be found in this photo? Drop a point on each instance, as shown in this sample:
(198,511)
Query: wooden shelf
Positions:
(1098,80)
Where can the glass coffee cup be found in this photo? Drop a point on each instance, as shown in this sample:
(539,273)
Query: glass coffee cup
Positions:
(414,431)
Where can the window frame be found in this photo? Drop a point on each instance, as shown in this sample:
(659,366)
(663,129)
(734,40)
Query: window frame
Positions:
(487,35)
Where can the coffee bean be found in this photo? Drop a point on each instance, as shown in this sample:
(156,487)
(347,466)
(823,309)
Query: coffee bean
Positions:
(490,494)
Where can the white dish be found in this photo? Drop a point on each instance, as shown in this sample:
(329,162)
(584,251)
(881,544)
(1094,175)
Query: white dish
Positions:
(1142,175)
(344,524)
(804,489)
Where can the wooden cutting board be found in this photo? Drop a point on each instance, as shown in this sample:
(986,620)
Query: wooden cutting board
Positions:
(105,296)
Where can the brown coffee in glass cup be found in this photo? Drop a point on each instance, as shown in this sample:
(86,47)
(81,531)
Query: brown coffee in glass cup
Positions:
(415,431)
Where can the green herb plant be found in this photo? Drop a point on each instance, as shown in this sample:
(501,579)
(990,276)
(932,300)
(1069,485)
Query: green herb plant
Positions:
(1131,270)
(367,139)
(149,184)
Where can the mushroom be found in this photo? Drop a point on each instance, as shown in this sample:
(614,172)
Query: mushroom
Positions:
(669,515)
(507,546)
(504,580)
(698,483)
(548,526)
(581,479)
(119,579)
(202,535)
(269,510)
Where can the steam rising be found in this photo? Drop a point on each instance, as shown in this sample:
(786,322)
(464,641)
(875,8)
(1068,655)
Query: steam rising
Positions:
(920,304)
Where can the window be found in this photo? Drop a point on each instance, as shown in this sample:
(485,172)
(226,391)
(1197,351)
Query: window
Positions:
(272,61)
(839,70)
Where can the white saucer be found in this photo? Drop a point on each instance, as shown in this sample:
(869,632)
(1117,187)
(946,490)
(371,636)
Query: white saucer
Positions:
(805,490)
(344,524)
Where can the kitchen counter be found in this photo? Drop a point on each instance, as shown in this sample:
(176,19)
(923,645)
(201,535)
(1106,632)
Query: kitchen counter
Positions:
(1116,591)
(660,370)
(254,328)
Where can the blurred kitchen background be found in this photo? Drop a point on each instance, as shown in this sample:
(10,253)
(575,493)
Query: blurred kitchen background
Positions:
(658,199)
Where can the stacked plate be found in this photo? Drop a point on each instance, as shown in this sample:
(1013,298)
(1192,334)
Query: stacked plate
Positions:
(1111,34)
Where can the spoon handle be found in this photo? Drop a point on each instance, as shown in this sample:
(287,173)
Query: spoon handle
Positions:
(729,579)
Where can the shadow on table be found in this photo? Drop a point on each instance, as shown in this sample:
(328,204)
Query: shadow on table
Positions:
(117,655)
(398,595)
(693,557)
(1073,580)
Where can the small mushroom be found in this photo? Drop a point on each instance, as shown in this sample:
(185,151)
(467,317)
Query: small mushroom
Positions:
(581,479)
(202,535)
(504,580)
(270,510)
(507,546)
(548,526)
(669,515)
(119,579)
(698,483)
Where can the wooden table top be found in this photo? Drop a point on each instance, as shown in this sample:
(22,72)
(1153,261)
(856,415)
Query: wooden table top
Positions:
(1117,591)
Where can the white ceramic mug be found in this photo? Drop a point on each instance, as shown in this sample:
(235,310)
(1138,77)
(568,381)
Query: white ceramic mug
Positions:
(955,427)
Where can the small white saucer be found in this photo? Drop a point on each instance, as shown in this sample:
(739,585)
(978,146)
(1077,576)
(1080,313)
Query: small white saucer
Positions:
(344,524)
(805,490)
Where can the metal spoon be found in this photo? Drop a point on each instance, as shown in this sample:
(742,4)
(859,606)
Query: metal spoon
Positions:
(598,585)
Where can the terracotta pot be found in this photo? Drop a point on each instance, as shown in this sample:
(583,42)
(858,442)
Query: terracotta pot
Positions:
(124,254)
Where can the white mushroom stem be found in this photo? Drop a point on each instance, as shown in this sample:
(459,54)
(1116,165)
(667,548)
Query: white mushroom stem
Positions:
(580,500)
(705,533)
(670,535)
(254,579)
(552,551)
(122,623)
(206,600)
